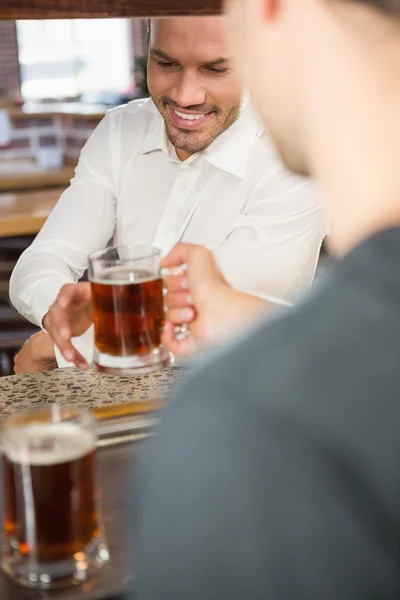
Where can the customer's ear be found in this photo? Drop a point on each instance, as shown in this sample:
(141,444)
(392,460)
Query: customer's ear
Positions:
(271,9)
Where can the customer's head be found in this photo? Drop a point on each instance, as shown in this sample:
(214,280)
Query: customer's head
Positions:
(191,80)
(312,65)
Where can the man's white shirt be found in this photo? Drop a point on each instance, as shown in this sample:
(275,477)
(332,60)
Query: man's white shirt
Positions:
(264,224)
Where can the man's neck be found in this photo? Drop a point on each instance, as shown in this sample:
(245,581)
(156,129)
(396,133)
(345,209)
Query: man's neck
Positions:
(357,163)
(182,154)
(361,185)
(351,98)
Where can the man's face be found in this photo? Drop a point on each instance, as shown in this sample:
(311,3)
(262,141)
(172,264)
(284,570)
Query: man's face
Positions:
(191,81)
(265,55)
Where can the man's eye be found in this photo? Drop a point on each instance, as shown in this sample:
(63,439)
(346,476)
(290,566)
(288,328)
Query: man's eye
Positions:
(218,71)
(165,65)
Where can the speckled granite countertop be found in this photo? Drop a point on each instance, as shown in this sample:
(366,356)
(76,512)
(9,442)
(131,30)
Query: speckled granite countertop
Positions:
(88,388)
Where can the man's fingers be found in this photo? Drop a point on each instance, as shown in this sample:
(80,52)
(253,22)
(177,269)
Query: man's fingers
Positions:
(203,271)
(177,347)
(177,256)
(177,283)
(71,354)
(74,293)
(182,315)
(178,300)
(67,349)
(57,323)
(72,300)
(58,326)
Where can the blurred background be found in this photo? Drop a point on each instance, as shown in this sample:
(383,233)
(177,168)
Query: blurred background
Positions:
(57,79)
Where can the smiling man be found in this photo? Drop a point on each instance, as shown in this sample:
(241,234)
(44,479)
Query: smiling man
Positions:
(194,115)
(193,164)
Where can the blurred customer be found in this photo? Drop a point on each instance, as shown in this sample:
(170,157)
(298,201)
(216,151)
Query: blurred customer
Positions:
(192,163)
(275,473)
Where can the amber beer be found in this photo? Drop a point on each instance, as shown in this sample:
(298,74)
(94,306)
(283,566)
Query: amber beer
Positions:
(128,311)
(62,518)
(51,517)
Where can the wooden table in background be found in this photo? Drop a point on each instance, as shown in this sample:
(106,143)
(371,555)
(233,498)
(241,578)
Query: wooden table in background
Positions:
(24,213)
(35,179)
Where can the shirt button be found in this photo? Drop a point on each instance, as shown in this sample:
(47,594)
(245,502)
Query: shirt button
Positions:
(184,185)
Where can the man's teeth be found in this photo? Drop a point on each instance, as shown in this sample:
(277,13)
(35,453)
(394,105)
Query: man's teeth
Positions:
(188,117)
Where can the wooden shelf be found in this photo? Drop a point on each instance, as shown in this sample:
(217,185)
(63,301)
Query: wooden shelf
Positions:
(73,9)
(35,179)
(24,213)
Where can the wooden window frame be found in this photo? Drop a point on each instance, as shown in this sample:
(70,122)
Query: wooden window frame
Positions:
(72,9)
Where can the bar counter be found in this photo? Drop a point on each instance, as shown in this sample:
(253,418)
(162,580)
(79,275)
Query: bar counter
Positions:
(116,461)
(86,388)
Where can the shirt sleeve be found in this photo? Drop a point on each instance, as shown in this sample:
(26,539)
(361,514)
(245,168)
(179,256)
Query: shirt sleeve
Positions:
(82,221)
(273,247)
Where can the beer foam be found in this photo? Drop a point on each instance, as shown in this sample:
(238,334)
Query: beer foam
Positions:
(42,444)
(124,276)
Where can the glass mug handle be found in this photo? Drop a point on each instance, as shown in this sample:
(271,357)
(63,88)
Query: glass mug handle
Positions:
(181,331)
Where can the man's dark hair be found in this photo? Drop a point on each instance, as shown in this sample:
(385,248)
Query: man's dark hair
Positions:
(388,6)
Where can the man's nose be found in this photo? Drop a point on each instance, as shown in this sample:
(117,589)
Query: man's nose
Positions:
(188,91)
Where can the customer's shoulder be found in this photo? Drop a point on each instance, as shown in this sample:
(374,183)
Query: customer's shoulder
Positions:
(333,348)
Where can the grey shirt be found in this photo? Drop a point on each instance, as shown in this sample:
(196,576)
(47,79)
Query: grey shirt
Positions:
(276,471)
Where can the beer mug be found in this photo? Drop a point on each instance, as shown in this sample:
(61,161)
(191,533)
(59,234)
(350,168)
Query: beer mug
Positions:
(128,310)
(52,527)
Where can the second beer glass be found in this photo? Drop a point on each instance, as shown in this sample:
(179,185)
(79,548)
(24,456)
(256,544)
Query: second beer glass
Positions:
(128,310)
(52,524)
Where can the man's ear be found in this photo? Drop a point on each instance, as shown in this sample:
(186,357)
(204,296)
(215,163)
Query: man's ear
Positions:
(271,9)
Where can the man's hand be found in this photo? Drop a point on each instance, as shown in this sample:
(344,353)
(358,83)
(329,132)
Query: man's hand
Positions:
(201,298)
(37,354)
(69,316)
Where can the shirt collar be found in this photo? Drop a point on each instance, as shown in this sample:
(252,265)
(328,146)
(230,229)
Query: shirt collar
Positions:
(156,138)
(228,152)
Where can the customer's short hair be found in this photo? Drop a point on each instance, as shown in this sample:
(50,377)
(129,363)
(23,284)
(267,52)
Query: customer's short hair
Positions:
(388,6)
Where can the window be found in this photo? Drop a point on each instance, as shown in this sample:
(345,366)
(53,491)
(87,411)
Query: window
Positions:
(68,59)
